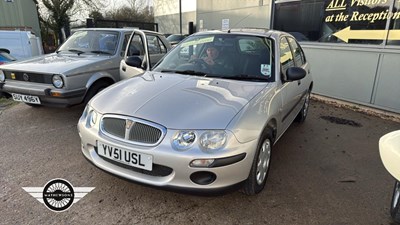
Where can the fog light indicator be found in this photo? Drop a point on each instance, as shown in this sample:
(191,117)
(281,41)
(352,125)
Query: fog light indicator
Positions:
(201,162)
(55,94)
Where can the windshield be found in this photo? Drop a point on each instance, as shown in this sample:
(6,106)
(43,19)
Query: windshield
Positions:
(92,41)
(4,56)
(229,56)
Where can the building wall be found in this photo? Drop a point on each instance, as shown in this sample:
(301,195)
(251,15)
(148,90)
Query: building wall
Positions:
(226,14)
(367,76)
(209,14)
(19,13)
(166,14)
(169,24)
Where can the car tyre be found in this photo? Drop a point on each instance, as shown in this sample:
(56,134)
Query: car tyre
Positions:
(301,117)
(260,167)
(395,206)
(94,89)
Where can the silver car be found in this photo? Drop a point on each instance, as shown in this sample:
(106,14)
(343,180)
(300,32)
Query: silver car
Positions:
(85,64)
(198,122)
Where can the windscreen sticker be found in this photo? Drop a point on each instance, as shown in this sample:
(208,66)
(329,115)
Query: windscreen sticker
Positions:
(266,70)
(198,41)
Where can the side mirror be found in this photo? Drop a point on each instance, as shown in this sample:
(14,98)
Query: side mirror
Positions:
(295,73)
(134,61)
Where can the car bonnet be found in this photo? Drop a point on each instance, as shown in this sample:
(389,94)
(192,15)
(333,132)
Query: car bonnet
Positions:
(56,63)
(178,101)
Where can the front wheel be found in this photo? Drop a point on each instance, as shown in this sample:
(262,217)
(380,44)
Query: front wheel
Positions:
(94,89)
(261,163)
(395,206)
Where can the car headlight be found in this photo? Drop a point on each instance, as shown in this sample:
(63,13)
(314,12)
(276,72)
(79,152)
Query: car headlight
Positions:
(91,118)
(2,76)
(57,81)
(212,140)
(183,140)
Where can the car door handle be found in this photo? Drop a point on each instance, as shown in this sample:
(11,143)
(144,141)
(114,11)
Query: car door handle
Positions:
(124,68)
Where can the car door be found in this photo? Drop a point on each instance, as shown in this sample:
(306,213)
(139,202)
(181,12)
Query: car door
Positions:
(156,48)
(299,61)
(289,90)
(137,47)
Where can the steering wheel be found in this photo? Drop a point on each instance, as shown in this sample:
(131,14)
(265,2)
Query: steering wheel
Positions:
(201,65)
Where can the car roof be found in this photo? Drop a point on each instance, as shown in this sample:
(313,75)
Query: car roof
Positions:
(249,31)
(118,29)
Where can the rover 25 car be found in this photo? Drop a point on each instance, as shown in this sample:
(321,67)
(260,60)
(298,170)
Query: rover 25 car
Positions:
(206,117)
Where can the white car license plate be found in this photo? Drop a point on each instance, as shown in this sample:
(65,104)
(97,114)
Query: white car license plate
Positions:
(139,160)
(26,98)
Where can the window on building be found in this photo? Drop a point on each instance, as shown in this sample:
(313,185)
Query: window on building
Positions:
(338,21)
(394,32)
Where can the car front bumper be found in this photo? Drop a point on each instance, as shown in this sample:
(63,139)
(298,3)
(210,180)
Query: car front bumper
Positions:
(236,161)
(47,93)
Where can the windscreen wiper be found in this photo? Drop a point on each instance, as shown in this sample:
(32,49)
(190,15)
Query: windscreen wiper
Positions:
(100,52)
(76,50)
(243,77)
(186,72)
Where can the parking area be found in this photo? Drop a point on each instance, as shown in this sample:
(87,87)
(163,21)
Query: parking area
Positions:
(325,171)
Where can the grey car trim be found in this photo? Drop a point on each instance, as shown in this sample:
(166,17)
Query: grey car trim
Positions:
(93,71)
(227,160)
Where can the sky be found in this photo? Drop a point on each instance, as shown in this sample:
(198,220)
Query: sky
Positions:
(118,3)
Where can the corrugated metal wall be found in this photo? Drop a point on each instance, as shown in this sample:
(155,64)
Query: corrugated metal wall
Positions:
(19,13)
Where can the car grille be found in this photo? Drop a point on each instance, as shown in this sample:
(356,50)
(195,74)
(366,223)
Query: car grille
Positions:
(31,77)
(132,130)
(157,171)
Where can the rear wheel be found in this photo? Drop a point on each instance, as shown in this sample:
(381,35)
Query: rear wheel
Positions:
(395,206)
(261,163)
(94,89)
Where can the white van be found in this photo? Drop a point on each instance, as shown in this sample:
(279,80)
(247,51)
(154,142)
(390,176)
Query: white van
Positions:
(22,44)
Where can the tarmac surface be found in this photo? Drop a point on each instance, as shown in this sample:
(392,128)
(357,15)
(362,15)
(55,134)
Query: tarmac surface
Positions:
(324,171)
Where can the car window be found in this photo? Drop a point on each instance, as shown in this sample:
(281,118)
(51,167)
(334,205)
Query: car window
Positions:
(286,57)
(162,46)
(247,45)
(298,54)
(233,56)
(175,37)
(7,57)
(125,43)
(155,45)
(92,41)
(136,46)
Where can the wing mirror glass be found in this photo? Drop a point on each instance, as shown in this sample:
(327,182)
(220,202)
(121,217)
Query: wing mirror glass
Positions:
(134,61)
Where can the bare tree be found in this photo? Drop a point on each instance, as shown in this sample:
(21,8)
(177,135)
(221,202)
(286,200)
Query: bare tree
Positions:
(134,10)
(56,14)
